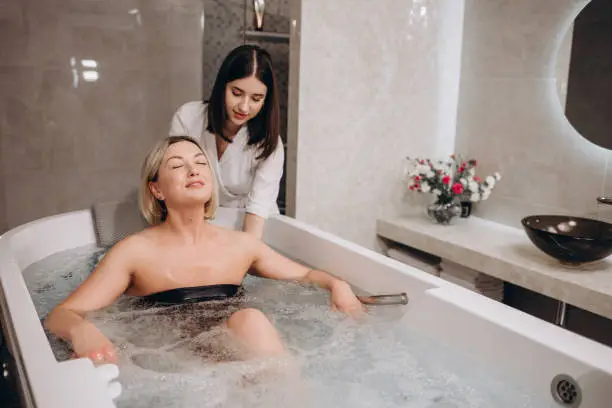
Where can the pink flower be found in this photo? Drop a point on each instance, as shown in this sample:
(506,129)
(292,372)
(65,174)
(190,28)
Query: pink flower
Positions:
(446,179)
(477,179)
(417,178)
(457,188)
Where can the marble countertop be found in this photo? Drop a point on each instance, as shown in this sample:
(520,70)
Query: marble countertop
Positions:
(506,253)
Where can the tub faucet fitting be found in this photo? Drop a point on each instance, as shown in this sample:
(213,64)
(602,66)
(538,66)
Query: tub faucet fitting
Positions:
(605,200)
(391,299)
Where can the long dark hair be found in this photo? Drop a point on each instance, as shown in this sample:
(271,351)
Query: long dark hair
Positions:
(242,62)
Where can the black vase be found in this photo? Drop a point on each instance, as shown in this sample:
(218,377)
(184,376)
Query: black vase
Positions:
(466,209)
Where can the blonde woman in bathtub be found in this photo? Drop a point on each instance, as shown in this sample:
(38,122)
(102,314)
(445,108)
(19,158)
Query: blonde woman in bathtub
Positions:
(182,255)
(239,126)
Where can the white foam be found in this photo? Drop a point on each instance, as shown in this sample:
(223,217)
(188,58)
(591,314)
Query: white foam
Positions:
(166,356)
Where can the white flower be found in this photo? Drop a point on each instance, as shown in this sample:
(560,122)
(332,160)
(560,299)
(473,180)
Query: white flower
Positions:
(425,187)
(463,182)
(436,166)
(473,186)
(497,176)
(475,197)
(436,192)
(490,181)
(472,172)
(486,194)
(429,173)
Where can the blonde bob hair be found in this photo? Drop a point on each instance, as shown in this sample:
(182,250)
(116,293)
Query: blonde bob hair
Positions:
(154,210)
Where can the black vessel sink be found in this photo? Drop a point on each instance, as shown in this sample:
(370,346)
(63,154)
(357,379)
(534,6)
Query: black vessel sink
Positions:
(571,240)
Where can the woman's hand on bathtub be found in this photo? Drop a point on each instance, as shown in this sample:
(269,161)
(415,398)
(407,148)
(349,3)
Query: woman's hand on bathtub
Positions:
(343,298)
(88,341)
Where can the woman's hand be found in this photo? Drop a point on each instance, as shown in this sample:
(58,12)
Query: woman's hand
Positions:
(88,341)
(344,299)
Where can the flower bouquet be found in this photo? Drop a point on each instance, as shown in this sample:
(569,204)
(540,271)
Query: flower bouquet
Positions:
(450,182)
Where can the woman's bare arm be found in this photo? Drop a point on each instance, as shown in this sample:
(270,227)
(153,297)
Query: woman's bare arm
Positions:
(270,264)
(106,283)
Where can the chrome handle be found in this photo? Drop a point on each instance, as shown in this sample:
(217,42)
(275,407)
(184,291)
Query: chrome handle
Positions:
(605,200)
(392,299)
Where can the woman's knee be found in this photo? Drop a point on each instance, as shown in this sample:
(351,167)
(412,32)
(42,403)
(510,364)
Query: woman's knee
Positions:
(249,320)
(256,330)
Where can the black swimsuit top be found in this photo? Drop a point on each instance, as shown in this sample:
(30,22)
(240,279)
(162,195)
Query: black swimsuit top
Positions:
(194,294)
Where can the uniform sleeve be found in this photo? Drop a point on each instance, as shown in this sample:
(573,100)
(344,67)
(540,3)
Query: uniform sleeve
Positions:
(177,127)
(266,183)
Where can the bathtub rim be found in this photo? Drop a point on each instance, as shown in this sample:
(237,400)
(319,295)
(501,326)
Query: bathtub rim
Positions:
(478,305)
(9,335)
(35,361)
(459,297)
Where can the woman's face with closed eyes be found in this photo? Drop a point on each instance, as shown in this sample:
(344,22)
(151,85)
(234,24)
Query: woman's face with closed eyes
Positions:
(184,177)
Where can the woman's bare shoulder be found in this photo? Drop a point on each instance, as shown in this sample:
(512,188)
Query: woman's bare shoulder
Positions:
(136,243)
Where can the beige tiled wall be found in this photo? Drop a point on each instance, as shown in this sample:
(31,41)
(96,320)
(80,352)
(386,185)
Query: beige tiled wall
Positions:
(66,142)
(3,221)
(562,66)
(511,118)
(365,103)
(375,80)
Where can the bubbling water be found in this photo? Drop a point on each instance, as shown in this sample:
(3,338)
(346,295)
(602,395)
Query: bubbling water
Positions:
(180,356)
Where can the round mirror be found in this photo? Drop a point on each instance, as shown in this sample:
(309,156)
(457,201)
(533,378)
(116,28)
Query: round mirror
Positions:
(584,73)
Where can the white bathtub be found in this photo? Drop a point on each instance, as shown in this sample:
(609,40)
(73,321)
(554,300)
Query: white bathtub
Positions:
(528,349)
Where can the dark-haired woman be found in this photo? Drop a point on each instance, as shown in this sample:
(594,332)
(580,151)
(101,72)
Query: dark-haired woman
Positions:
(239,127)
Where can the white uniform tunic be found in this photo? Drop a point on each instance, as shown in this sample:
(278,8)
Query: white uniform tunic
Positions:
(244,181)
